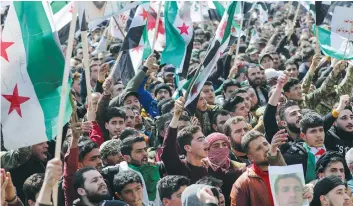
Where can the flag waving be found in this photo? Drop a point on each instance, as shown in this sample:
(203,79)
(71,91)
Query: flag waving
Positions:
(214,52)
(179,30)
(30,91)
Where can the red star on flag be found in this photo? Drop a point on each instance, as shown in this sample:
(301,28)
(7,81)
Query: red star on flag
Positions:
(223,28)
(4,46)
(144,14)
(233,29)
(15,101)
(152,23)
(183,29)
(137,49)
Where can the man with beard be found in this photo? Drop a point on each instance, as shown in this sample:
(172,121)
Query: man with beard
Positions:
(235,128)
(339,137)
(219,118)
(253,186)
(330,191)
(255,80)
(134,151)
(91,189)
(204,113)
(130,116)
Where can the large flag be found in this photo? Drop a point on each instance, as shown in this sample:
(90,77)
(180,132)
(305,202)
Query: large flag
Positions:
(179,31)
(321,10)
(30,91)
(214,52)
(160,41)
(334,45)
(135,47)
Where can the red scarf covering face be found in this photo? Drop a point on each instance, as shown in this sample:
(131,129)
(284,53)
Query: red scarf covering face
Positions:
(218,158)
(266,178)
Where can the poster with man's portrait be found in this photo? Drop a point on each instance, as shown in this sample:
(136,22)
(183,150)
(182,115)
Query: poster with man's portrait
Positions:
(287,185)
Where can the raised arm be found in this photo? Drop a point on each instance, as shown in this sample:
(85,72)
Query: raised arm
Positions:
(345,87)
(312,99)
(170,155)
(308,78)
(270,122)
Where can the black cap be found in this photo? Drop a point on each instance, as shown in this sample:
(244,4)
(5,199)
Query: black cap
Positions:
(324,186)
(162,86)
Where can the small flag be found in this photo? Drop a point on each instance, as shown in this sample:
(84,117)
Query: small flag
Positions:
(30,91)
(334,45)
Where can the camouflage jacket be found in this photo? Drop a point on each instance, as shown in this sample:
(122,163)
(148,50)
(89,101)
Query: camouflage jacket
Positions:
(14,158)
(323,99)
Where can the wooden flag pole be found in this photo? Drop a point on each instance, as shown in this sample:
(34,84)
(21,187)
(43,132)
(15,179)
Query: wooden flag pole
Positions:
(156,26)
(241,29)
(63,92)
(317,48)
(121,31)
(295,19)
(86,66)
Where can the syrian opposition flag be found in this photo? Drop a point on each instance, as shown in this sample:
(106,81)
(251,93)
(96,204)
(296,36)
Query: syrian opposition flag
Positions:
(62,15)
(30,91)
(309,6)
(214,52)
(134,48)
(235,30)
(160,41)
(179,31)
(334,45)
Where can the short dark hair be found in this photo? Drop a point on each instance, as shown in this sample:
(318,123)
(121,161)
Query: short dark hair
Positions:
(211,181)
(127,143)
(311,120)
(79,180)
(218,112)
(283,107)
(290,62)
(84,148)
(112,112)
(32,186)
(249,137)
(291,83)
(167,107)
(208,83)
(170,184)
(231,103)
(185,136)
(127,132)
(332,157)
(230,82)
(239,91)
(124,178)
(285,176)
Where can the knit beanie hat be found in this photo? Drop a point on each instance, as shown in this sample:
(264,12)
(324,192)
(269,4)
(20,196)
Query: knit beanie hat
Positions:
(324,186)
(325,159)
(162,86)
(108,147)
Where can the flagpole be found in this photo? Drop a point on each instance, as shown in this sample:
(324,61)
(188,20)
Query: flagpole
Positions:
(121,31)
(241,29)
(295,19)
(86,64)
(63,92)
(156,26)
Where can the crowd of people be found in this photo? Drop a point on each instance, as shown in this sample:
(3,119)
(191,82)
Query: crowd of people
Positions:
(279,102)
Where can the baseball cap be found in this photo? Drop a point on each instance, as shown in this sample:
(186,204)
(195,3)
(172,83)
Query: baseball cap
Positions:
(252,50)
(262,56)
(125,94)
